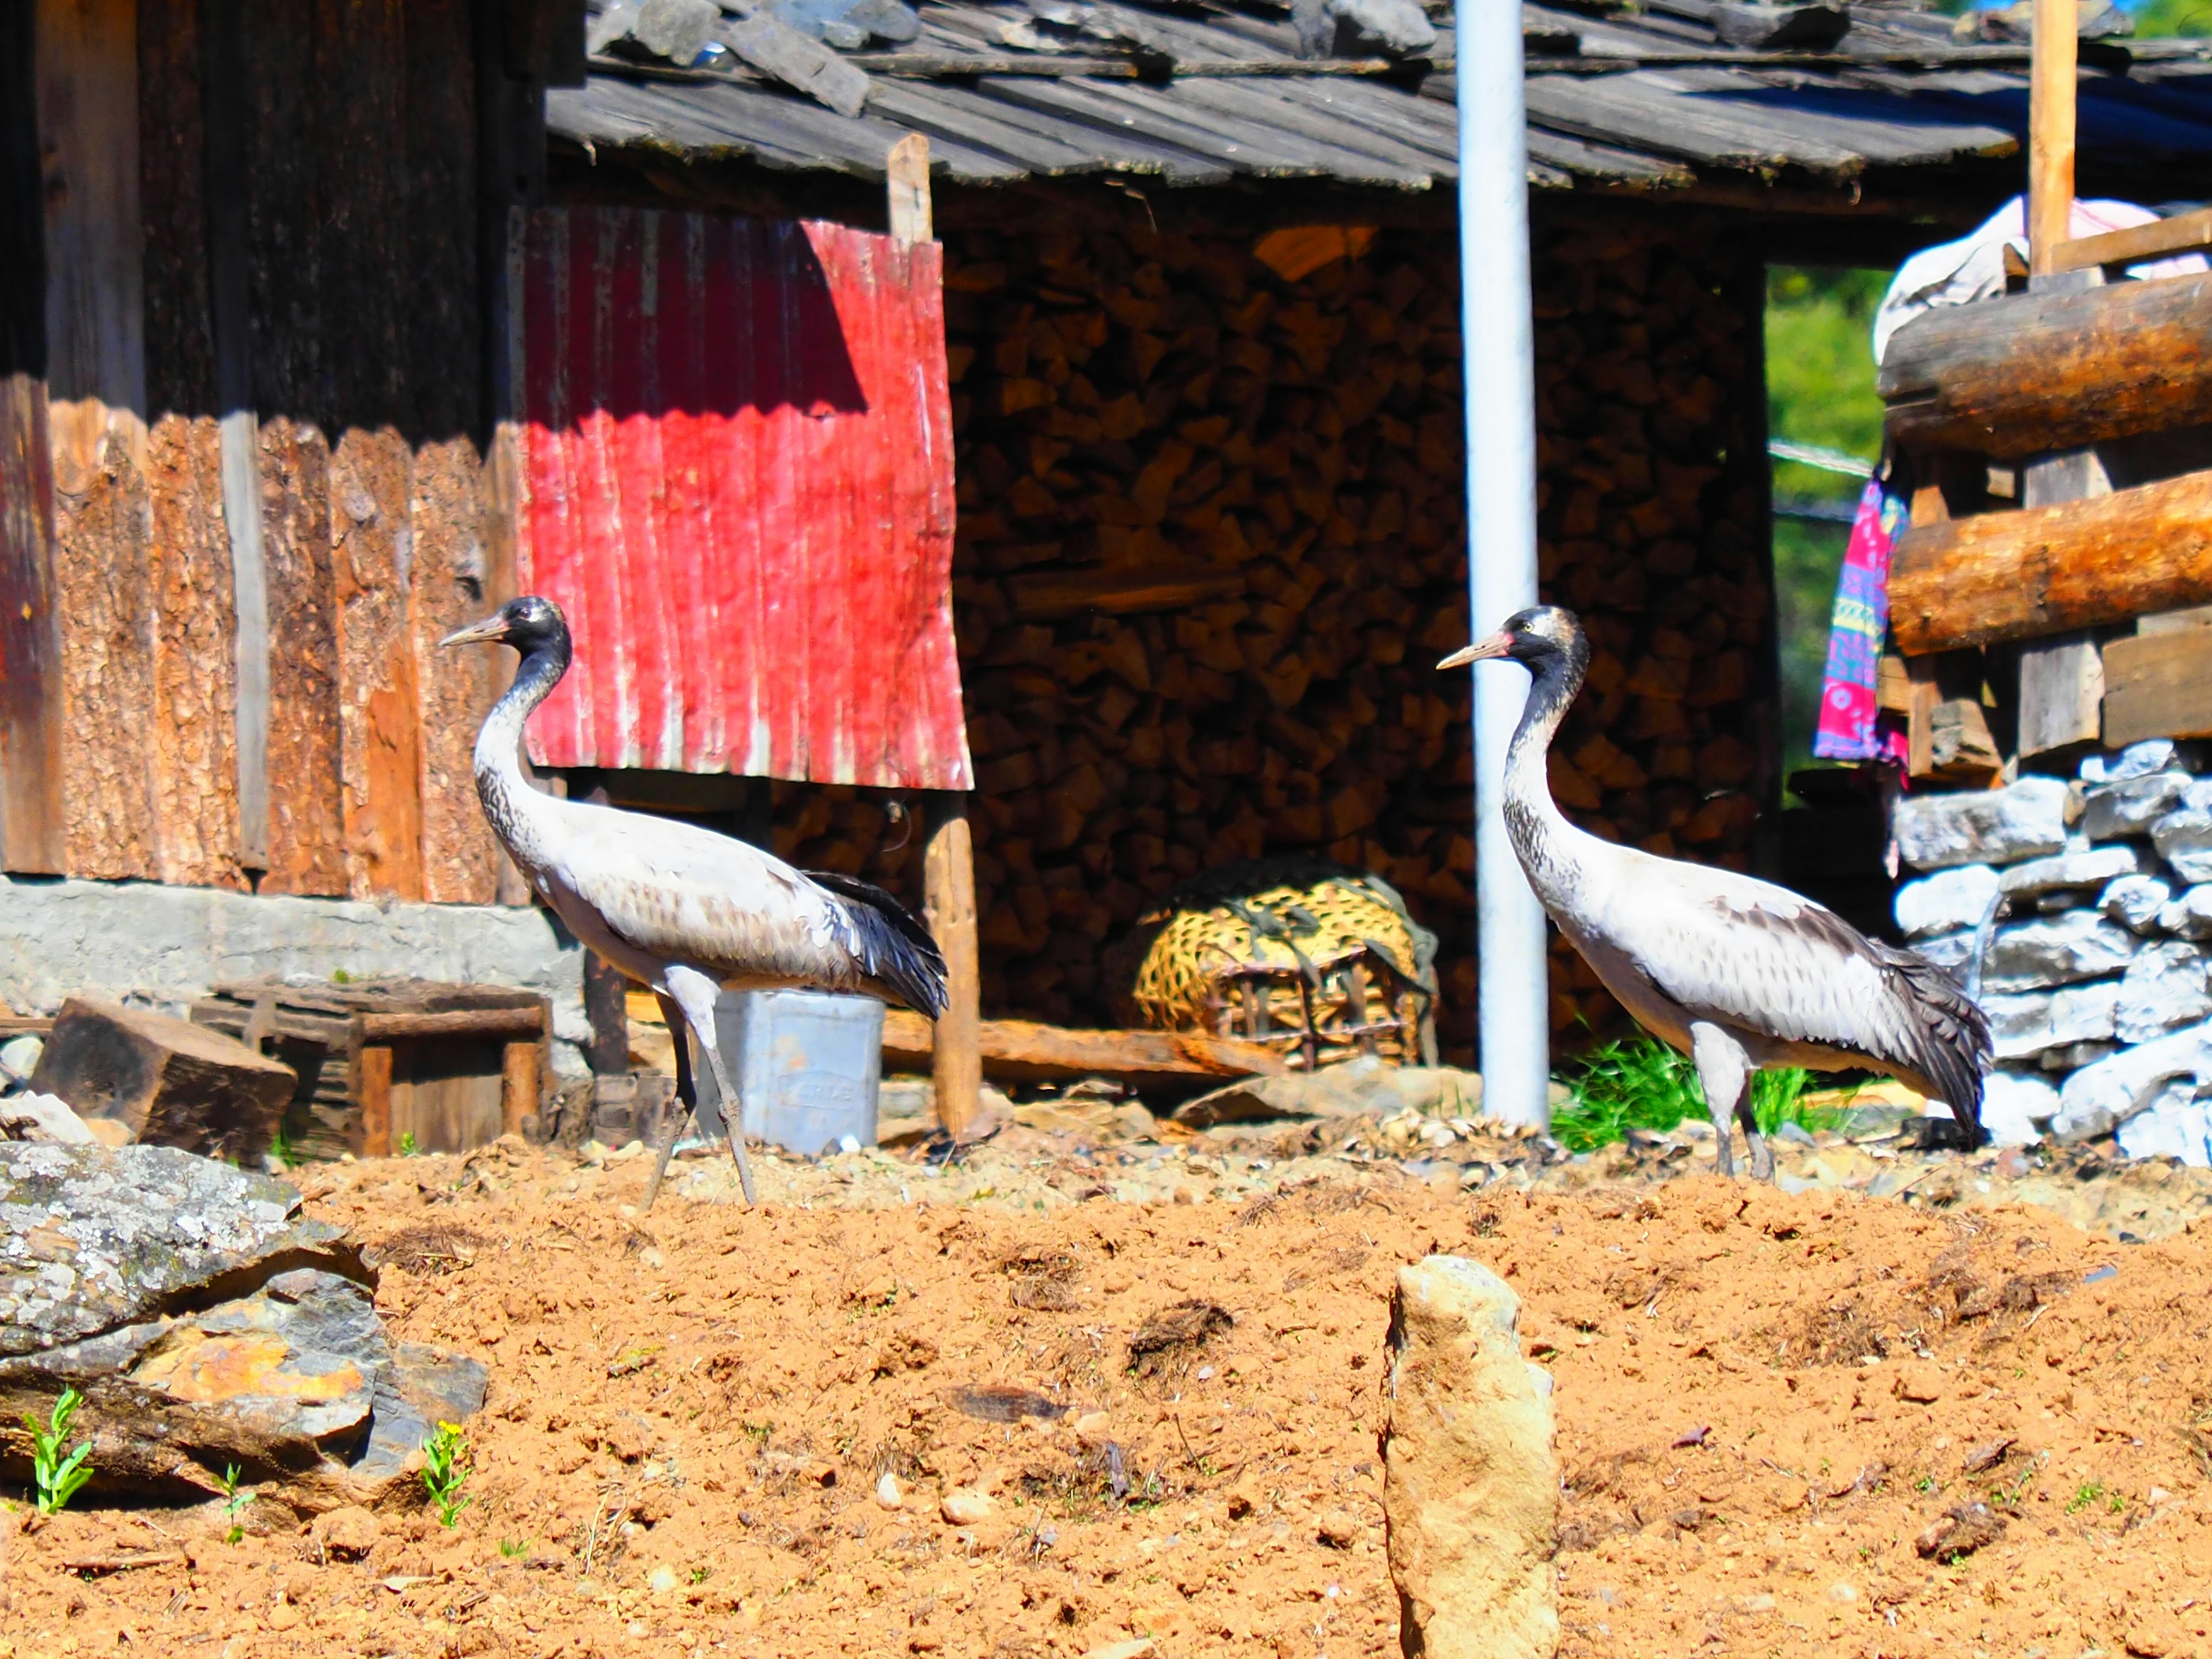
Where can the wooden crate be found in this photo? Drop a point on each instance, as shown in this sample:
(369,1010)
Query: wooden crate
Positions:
(452,1066)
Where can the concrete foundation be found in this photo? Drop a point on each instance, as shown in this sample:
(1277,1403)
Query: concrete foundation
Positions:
(166,945)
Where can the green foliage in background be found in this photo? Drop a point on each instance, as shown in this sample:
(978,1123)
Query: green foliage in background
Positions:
(1641,1084)
(2161,20)
(1819,390)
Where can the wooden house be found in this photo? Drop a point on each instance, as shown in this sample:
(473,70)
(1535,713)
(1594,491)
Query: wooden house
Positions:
(1202,348)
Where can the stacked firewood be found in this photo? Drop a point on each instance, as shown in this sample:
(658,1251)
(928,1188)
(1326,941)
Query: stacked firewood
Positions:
(1211,542)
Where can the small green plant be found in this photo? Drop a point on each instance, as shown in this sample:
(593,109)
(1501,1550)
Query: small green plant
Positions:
(700,1575)
(339,977)
(58,1477)
(2085,1495)
(513,1549)
(234,1500)
(1640,1082)
(280,1147)
(445,1470)
(409,1147)
(1925,1483)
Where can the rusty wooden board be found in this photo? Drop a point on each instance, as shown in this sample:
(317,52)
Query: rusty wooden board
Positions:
(104,571)
(736,478)
(379,711)
(461,856)
(192,748)
(306,844)
(32,839)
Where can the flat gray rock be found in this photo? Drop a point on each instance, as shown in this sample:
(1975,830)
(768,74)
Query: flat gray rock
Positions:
(2131,807)
(93,1237)
(207,1323)
(2135,902)
(2097,1099)
(2024,820)
(2138,759)
(2068,871)
(2183,836)
(2026,1023)
(2177,1124)
(2054,950)
(2168,984)
(2015,1105)
(1945,901)
(2189,914)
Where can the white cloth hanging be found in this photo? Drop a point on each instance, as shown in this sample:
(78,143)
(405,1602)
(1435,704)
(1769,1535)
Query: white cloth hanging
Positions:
(1974,267)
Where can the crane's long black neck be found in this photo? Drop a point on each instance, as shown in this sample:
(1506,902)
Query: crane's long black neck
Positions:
(1541,836)
(517,812)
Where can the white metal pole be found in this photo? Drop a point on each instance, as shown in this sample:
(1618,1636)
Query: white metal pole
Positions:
(1500,335)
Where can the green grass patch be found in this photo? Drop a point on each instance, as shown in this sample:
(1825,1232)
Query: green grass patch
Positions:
(1639,1083)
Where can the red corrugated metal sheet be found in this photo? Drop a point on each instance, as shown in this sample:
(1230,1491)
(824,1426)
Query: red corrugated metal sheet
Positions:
(737,479)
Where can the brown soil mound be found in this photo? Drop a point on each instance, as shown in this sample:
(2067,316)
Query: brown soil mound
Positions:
(1786,1423)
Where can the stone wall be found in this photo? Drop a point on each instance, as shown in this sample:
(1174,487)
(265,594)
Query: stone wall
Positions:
(2097,981)
(166,946)
(1212,540)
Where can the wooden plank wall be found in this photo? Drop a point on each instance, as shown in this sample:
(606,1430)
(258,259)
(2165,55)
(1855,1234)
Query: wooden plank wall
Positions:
(348,128)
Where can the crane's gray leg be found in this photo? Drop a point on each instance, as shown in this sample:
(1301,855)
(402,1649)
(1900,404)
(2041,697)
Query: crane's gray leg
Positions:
(695,993)
(687,1096)
(1724,1071)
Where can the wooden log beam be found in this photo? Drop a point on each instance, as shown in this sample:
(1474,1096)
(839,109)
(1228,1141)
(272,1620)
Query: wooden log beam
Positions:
(2037,372)
(2078,564)
(458,1023)
(1023,1051)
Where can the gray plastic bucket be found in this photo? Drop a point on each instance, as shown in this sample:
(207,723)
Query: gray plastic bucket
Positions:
(805,1063)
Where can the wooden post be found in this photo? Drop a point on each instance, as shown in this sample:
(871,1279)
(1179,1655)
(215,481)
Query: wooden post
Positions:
(949,878)
(905,177)
(948,862)
(2062,678)
(519,1084)
(2051,133)
(372,1081)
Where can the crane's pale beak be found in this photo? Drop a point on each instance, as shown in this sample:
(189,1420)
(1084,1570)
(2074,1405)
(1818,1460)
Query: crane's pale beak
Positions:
(1496,645)
(490,631)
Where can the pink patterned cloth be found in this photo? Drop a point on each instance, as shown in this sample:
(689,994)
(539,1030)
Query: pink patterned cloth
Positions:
(1848,728)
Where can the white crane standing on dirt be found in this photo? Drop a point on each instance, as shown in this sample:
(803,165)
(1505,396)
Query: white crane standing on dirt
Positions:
(680,909)
(1738,974)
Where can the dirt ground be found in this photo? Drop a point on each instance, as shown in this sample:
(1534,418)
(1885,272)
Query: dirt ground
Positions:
(1766,1401)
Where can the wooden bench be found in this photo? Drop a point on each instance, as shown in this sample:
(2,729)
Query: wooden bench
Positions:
(387,1065)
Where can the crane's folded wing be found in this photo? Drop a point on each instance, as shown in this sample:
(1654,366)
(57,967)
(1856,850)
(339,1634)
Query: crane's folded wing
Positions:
(683,894)
(1762,957)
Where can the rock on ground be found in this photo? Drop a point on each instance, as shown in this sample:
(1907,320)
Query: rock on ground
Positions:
(207,1323)
(2097,1099)
(1471,1485)
(33,1116)
(1356,1086)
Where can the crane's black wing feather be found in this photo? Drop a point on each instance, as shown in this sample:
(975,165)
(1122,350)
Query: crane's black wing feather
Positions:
(889,943)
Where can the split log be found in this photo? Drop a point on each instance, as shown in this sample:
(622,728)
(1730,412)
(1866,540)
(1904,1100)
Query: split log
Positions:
(2079,564)
(1022,1051)
(173,1083)
(2019,376)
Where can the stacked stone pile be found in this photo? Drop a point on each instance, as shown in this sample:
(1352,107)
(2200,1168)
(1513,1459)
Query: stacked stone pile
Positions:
(2097,975)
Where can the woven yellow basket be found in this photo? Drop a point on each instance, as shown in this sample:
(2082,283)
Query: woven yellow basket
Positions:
(1318,960)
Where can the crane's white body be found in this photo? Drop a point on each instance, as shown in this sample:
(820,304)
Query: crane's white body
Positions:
(684,911)
(1737,973)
